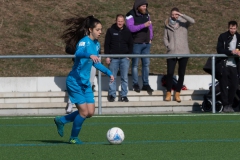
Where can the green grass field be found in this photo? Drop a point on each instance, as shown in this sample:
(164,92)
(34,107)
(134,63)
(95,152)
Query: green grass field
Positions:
(192,136)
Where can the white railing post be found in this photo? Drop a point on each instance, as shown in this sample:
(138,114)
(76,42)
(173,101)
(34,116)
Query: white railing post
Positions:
(99,92)
(213,86)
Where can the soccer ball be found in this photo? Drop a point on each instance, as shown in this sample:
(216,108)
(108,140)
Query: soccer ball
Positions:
(115,135)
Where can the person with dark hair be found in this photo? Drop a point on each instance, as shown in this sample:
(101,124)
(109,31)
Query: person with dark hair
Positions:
(118,40)
(227,67)
(139,23)
(176,42)
(82,35)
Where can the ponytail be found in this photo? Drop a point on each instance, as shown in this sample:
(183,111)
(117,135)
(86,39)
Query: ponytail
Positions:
(79,27)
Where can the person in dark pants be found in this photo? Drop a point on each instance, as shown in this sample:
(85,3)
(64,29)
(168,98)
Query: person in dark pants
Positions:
(138,22)
(226,67)
(176,42)
(118,40)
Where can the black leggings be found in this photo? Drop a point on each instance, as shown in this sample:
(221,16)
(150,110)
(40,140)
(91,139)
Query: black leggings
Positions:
(171,63)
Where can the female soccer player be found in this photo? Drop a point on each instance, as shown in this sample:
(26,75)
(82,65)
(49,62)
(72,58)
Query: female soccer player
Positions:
(82,34)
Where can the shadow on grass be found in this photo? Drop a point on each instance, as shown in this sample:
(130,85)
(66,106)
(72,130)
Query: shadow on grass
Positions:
(48,141)
(56,142)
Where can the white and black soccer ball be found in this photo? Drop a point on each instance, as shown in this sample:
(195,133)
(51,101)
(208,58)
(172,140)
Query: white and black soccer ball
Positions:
(115,135)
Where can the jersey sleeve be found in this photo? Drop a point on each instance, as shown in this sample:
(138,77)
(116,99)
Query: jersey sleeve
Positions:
(102,68)
(82,50)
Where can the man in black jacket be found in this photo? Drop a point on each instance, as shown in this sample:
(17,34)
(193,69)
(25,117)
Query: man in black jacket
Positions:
(118,40)
(226,67)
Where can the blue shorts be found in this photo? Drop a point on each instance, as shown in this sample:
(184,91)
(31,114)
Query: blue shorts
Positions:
(79,94)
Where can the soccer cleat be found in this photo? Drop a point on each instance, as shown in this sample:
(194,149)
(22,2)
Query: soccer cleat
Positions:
(75,140)
(136,88)
(60,126)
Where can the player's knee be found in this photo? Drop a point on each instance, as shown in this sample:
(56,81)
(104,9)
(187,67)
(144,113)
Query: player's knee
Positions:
(84,114)
(90,114)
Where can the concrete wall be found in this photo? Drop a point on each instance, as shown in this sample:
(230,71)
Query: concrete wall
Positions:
(48,84)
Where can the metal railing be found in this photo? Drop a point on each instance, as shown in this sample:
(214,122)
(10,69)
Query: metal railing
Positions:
(131,56)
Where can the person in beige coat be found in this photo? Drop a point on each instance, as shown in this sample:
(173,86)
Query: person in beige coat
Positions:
(176,42)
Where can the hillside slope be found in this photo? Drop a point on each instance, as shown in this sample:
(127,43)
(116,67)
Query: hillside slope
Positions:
(34,27)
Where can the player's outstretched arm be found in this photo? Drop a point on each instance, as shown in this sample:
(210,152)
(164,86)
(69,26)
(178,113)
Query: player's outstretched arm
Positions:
(102,68)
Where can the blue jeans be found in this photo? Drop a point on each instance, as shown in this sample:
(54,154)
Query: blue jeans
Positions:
(121,64)
(143,49)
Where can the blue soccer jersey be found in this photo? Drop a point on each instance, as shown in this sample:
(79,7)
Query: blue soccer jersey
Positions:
(78,84)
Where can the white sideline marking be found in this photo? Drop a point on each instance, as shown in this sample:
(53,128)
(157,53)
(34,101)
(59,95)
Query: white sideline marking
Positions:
(124,116)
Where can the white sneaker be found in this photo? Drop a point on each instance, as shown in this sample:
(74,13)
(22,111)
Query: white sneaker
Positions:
(69,108)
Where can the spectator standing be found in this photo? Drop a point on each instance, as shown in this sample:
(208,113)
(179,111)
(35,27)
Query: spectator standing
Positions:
(138,22)
(118,40)
(226,67)
(176,41)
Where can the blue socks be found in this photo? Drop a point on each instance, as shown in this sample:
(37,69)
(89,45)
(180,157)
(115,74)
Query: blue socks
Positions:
(77,125)
(69,118)
(77,122)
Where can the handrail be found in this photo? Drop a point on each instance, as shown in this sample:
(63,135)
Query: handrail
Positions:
(114,55)
(132,55)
